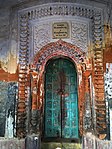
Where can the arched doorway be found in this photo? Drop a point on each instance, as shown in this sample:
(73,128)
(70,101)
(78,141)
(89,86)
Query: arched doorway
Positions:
(61,99)
(51,52)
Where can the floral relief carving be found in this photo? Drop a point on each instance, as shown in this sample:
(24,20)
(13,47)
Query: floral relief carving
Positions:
(58,48)
(41,36)
(79,36)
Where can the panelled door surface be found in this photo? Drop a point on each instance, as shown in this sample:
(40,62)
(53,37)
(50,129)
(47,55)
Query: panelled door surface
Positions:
(61,104)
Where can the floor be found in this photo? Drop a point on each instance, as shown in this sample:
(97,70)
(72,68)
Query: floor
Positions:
(63,145)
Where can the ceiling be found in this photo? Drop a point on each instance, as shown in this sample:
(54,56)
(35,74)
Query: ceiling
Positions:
(10,3)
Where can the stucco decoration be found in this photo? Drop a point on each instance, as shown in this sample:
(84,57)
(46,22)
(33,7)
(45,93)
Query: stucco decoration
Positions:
(41,36)
(23,70)
(100,103)
(59,48)
(79,35)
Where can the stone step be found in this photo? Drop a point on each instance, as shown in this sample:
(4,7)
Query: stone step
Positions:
(63,145)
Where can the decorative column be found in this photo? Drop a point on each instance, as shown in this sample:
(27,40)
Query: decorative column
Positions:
(81,100)
(34,93)
(22,79)
(87,106)
(100,103)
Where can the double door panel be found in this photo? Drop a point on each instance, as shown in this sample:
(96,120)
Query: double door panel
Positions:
(61,106)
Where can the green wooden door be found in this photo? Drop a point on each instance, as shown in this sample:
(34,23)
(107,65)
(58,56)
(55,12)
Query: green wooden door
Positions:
(61,104)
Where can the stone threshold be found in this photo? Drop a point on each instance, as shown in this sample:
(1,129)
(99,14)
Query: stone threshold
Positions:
(62,145)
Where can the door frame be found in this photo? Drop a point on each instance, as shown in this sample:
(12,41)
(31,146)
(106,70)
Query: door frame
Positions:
(44,102)
(60,49)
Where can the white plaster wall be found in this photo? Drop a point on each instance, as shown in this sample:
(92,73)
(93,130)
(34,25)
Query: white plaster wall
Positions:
(108,93)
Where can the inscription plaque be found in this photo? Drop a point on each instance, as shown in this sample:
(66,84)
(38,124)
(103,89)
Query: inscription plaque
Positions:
(60,30)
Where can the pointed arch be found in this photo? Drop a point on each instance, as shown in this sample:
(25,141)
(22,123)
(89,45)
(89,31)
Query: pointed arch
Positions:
(61,49)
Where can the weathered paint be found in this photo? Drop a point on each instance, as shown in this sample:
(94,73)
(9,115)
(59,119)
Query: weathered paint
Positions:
(7,76)
(92,142)
(8,97)
(6,143)
(11,104)
(3,103)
